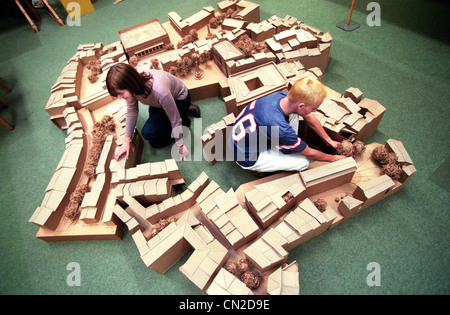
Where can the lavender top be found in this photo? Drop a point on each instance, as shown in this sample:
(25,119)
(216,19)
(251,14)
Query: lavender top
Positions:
(166,89)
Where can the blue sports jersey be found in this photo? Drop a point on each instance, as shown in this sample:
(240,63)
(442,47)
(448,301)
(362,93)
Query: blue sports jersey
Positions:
(262,125)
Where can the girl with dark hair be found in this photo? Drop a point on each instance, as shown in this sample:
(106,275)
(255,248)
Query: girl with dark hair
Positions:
(169,103)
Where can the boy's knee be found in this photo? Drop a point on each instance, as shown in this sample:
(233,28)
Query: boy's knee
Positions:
(304,163)
(307,163)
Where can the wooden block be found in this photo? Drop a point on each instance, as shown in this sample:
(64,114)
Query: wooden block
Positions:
(349,206)
(121,214)
(141,242)
(398,148)
(373,188)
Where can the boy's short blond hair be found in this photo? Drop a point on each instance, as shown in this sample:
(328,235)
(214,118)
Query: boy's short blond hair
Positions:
(308,91)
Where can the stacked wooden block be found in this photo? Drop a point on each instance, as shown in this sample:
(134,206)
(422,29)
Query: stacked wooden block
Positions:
(261,31)
(194,22)
(158,192)
(94,201)
(378,188)
(322,178)
(88,52)
(169,245)
(226,214)
(114,54)
(65,178)
(178,203)
(268,201)
(145,191)
(64,93)
(284,281)
(349,206)
(207,259)
(294,71)
(351,114)
(226,283)
(214,141)
(251,84)
(247,10)
(96,94)
(163,169)
(375,189)
(290,39)
(235,66)
(301,224)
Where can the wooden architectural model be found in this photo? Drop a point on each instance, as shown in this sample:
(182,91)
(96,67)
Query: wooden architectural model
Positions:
(284,281)
(144,39)
(227,215)
(249,85)
(239,58)
(73,87)
(194,22)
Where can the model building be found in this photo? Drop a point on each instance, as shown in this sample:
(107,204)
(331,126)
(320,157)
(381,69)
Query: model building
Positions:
(240,238)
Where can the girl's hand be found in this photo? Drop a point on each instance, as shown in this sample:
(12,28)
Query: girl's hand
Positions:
(183,152)
(124,148)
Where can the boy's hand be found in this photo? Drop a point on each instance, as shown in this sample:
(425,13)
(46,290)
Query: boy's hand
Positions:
(333,144)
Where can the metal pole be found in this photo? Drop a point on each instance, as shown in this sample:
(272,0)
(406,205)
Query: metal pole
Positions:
(351,11)
(348,25)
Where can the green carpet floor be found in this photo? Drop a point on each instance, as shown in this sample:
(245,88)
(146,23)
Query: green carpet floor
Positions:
(404,64)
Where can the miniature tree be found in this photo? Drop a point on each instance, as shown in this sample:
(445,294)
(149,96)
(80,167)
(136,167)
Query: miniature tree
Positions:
(232,267)
(155,64)
(179,67)
(193,35)
(213,23)
(72,210)
(173,70)
(220,18)
(95,69)
(249,47)
(252,279)
(203,57)
(92,78)
(321,204)
(347,148)
(169,46)
(389,162)
(99,135)
(134,61)
(190,38)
